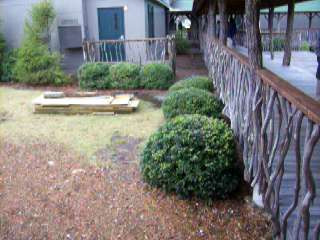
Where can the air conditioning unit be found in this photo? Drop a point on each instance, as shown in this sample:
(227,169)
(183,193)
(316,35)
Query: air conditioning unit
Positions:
(70,34)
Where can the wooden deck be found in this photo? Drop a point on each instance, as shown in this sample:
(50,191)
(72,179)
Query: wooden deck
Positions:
(301,74)
(276,118)
(289,181)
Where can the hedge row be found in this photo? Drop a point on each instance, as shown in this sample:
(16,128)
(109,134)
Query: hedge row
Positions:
(125,76)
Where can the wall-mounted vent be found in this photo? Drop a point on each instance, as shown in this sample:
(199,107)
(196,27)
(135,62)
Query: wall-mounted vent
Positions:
(69,22)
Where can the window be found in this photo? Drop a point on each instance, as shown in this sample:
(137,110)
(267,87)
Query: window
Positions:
(116,24)
(150,21)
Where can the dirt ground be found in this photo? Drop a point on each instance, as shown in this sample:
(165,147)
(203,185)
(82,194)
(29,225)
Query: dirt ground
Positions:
(49,190)
(46,193)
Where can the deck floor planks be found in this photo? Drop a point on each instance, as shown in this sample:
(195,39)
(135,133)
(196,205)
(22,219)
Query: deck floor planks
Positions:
(288,184)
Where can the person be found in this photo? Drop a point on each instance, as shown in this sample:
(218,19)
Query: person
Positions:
(232,31)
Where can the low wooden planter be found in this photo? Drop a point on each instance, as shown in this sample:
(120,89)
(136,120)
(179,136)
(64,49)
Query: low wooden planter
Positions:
(124,103)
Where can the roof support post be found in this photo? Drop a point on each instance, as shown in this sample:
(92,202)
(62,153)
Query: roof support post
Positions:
(288,41)
(212,18)
(167,21)
(194,27)
(252,15)
(223,21)
(310,17)
(270,26)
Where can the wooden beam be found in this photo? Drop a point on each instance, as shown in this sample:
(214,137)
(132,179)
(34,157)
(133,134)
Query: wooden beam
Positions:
(310,17)
(288,41)
(270,27)
(223,21)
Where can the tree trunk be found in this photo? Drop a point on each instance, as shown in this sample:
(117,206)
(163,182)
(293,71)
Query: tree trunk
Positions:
(270,26)
(253,34)
(288,42)
(223,21)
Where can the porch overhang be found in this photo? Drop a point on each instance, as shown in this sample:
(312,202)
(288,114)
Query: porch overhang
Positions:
(201,7)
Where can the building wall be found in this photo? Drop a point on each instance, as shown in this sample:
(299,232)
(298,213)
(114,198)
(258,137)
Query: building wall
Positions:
(14,12)
(159,19)
(134,17)
(82,13)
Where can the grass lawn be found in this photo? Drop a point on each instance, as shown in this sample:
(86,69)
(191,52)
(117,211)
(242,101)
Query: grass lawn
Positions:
(77,177)
(85,134)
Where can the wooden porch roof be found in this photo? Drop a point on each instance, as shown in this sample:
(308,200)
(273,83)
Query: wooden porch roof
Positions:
(236,6)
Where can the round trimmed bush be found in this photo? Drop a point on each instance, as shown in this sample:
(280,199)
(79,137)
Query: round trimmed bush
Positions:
(94,76)
(125,76)
(200,82)
(191,101)
(156,76)
(193,156)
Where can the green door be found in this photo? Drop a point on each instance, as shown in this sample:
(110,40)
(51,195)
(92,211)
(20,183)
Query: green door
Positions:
(111,27)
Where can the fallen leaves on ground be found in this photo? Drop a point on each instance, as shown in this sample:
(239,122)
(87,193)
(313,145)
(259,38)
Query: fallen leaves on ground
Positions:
(47,192)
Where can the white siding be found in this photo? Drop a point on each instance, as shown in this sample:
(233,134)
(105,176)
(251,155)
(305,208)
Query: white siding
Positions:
(134,17)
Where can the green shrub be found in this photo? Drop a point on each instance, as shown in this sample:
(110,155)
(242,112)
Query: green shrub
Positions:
(191,101)
(196,81)
(7,66)
(2,52)
(278,44)
(2,47)
(193,156)
(125,76)
(94,76)
(156,76)
(305,46)
(37,27)
(38,66)
(35,63)
(182,44)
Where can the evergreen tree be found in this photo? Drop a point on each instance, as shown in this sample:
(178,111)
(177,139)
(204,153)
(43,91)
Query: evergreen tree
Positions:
(35,63)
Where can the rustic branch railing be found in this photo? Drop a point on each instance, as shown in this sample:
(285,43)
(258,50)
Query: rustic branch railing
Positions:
(278,129)
(299,38)
(140,51)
